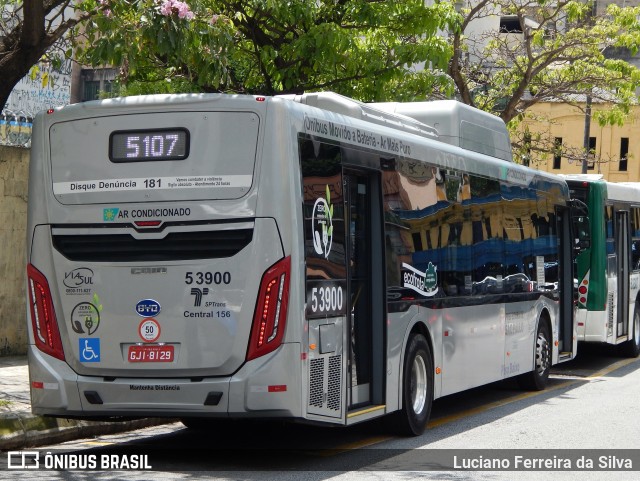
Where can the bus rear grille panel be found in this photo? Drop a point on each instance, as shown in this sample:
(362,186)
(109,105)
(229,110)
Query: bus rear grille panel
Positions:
(610,314)
(174,247)
(335,384)
(316,382)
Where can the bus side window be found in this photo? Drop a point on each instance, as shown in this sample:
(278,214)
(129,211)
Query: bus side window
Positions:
(635,238)
(635,254)
(609,229)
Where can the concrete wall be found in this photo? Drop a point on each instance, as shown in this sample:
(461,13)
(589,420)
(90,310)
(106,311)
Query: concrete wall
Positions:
(14,172)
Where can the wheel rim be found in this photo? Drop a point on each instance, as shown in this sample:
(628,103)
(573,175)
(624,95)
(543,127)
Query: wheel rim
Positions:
(543,354)
(636,329)
(418,384)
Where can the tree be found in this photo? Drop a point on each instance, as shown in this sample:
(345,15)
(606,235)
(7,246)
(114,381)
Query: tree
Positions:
(365,49)
(544,50)
(28,29)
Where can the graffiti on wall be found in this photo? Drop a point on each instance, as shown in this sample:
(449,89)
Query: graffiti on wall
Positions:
(44,88)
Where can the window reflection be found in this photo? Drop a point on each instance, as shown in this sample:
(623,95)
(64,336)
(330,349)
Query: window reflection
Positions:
(321,172)
(481,235)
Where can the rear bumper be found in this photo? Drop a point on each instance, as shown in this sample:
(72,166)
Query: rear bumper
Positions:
(269,386)
(592,325)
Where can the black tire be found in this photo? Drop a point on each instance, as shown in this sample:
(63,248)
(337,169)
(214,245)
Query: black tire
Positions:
(537,379)
(417,388)
(194,423)
(202,424)
(631,348)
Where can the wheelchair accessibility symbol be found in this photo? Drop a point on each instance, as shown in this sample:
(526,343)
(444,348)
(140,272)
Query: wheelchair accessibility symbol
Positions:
(89,350)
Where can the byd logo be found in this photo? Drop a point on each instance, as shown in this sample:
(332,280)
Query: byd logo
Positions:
(148,308)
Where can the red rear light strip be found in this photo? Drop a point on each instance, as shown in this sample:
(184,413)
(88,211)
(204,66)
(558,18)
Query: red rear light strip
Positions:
(35,310)
(278,306)
(43,316)
(271,310)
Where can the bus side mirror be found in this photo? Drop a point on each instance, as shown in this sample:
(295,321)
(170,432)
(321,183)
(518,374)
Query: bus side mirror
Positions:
(582,229)
(583,244)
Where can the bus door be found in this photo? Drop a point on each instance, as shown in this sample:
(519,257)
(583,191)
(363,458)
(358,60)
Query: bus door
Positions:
(622,271)
(566,275)
(365,308)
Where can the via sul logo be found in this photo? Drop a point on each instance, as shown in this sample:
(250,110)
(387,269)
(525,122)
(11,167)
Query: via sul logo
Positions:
(82,276)
(109,215)
(322,225)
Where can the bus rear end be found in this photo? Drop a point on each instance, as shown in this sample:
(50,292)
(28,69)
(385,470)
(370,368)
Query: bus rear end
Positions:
(592,315)
(154,285)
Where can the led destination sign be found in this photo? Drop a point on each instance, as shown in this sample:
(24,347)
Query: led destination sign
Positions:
(148,145)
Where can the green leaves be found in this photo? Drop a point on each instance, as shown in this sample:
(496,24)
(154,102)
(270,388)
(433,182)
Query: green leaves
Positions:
(363,49)
(557,57)
(96,302)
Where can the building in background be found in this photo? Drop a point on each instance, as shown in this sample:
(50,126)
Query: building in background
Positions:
(53,82)
(614,151)
(93,84)
(44,88)
(48,87)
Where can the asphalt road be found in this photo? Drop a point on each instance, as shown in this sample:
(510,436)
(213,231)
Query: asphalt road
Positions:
(589,413)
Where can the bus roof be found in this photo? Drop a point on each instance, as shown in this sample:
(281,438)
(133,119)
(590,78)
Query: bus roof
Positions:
(448,121)
(621,191)
(459,124)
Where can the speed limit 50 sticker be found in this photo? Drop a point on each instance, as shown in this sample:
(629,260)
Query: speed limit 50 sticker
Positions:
(149,330)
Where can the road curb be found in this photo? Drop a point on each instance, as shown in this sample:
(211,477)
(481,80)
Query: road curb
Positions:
(29,431)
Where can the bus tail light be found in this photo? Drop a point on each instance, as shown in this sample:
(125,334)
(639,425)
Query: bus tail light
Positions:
(43,316)
(271,310)
(583,291)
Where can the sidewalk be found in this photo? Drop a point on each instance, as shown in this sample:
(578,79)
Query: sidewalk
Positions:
(19,428)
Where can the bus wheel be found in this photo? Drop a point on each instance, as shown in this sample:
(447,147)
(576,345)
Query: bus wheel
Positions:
(417,388)
(195,423)
(536,380)
(631,348)
(205,424)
